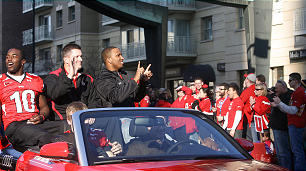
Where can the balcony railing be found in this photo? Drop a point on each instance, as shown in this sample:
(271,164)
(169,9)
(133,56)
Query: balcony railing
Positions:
(42,33)
(133,51)
(42,66)
(173,4)
(39,4)
(300,21)
(108,20)
(181,46)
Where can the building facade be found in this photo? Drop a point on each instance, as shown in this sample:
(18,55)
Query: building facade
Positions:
(198,33)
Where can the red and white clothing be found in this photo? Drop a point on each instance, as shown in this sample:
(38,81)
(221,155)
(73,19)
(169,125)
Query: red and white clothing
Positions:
(222,105)
(259,111)
(145,102)
(205,106)
(177,122)
(233,118)
(269,147)
(245,97)
(18,99)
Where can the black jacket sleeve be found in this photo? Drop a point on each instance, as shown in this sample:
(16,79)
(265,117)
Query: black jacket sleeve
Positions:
(58,86)
(109,88)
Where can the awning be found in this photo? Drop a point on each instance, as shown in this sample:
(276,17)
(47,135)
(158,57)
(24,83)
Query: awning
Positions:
(206,72)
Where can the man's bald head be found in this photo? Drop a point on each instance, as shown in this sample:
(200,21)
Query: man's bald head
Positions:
(106,53)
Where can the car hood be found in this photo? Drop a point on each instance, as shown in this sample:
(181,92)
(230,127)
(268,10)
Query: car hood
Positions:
(216,164)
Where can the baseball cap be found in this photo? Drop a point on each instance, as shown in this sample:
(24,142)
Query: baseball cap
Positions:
(251,77)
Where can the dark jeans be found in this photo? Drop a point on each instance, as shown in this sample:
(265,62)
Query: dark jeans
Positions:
(296,142)
(23,135)
(282,147)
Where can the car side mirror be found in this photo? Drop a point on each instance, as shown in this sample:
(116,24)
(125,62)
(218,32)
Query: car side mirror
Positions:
(60,150)
(246,144)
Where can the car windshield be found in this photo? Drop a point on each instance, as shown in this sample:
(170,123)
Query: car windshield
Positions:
(147,135)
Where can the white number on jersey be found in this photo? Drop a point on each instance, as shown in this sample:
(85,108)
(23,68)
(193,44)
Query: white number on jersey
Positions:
(27,106)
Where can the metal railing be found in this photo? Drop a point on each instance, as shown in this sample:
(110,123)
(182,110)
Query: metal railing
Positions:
(133,51)
(42,33)
(181,46)
(28,4)
(300,21)
(172,3)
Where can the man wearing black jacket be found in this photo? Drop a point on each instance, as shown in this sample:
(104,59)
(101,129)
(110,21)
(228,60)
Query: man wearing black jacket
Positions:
(279,124)
(67,84)
(113,87)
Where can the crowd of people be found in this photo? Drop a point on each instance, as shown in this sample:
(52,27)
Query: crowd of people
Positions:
(34,110)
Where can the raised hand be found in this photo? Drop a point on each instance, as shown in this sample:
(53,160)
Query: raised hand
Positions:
(139,72)
(72,69)
(147,73)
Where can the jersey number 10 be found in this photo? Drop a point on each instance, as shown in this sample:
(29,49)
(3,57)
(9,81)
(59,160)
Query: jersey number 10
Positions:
(27,106)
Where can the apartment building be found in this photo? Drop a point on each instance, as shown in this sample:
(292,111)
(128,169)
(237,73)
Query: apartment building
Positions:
(58,23)
(198,33)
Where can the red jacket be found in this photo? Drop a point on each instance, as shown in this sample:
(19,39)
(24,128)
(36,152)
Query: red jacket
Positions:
(145,102)
(163,103)
(245,97)
(259,112)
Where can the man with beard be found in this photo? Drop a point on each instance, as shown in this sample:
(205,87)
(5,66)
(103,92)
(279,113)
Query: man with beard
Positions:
(24,107)
(113,87)
(222,103)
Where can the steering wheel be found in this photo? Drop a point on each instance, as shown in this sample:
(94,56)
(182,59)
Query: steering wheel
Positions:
(180,143)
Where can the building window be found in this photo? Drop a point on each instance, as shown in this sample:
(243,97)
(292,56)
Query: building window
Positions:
(277,74)
(59,52)
(241,18)
(105,43)
(71,13)
(206,27)
(59,18)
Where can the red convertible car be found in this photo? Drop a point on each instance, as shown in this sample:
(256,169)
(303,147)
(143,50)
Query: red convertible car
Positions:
(148,138)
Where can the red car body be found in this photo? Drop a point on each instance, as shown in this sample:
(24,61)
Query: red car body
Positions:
(32,161)
(221,153)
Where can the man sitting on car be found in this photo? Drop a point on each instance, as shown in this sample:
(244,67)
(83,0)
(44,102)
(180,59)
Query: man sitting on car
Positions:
(94,134)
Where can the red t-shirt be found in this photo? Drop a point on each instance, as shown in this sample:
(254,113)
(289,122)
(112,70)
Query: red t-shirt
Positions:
(222,106)
(205,106)
(19,99)
(245,97)
(298,98)
(235,105)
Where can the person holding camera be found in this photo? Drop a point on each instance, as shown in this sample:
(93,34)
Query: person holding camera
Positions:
(279,125)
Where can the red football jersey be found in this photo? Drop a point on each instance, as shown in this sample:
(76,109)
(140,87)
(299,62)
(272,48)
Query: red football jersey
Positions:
(298,99)
(235,105)
(19,100)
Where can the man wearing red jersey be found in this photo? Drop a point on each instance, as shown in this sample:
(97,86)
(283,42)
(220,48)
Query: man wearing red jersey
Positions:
(248,92)
(222,103)
(233,120)
(24,108)
(296,115)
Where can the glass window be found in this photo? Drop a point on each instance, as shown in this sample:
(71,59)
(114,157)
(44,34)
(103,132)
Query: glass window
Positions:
(59,18)
(71,13)
(206,27)
(241,18)
(156,134)
(105,43)
(59,52)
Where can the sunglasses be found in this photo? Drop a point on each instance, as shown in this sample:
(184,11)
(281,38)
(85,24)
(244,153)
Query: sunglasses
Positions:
(291,80)
(257,89)
(222,89)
